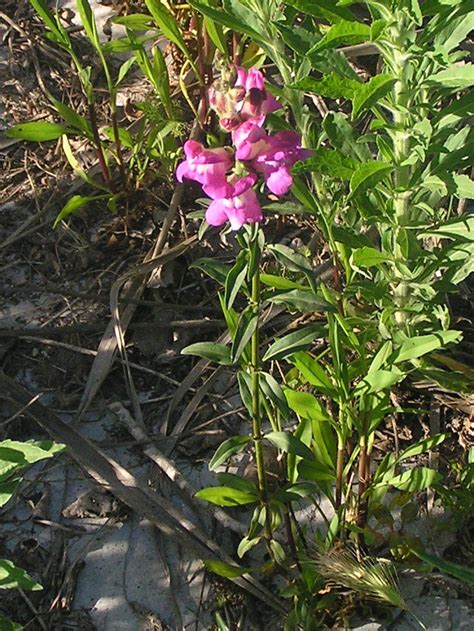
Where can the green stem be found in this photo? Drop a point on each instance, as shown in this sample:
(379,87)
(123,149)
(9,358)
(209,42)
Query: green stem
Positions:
(257,434)
(401,140)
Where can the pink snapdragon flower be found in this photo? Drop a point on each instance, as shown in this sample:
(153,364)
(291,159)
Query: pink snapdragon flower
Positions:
(240,207)
(250,140)
(206,166)
(275,162)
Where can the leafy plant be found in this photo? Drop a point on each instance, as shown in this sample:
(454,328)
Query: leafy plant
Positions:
(131,149)
(14,457)
(391,156)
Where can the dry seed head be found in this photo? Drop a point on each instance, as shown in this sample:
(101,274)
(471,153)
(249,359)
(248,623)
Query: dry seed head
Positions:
(373,577)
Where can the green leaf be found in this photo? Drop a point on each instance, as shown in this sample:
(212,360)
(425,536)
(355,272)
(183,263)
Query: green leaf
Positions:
(246,327)
(333,61)
(278,552)
(331,85)
(344,32)
(455,76)
(42,9)
(213,268)
(226,19)
(368,94)
(278,282)
(245,390)
(459,229)
(7,490)
(368,174)
(74,203)
(421,446)
(461,572)
(297,38)
(125,137)
(247,544)
(227,449)
(299,300)
(415,347)
(12,577)
(212,351)
(235,279)
(37,132)
(216,32)
(125,68)
(28,452)
(8,625)
(72,117)
(415,480)
(168,25)
(344,137)
(289,444)
(293,261)
(328,9)
(89,24)
(77,167)
(294,342)
(227,496)
(286,208)
(464,186)
(329,162)
(350,237)
(368,257)
(456,30)
(306,405)
(135,21)
(380,380)
(316,471)
(314,373)
(226,569)
(161,80)
(272,391)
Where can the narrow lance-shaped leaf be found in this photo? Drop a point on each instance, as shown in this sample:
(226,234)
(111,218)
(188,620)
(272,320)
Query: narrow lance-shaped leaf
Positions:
(212,351)
(415,347)
(246,327)
(235,279)
(227,449)
(461,572)
(293,342)
(368,94)
(302,301)
(37,131)
(322,8)
(12,577)
(226,19)
(74,203)
(332,86)
(344,32)
(226,570)
(227,496)
(368,174)
(459,77)
(290,444)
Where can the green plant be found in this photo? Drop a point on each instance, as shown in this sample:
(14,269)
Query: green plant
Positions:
(14,457)
(130,148)
(391,159)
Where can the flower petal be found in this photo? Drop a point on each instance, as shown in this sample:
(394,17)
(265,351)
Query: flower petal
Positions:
(279,182)
(216,214)
(183,171)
